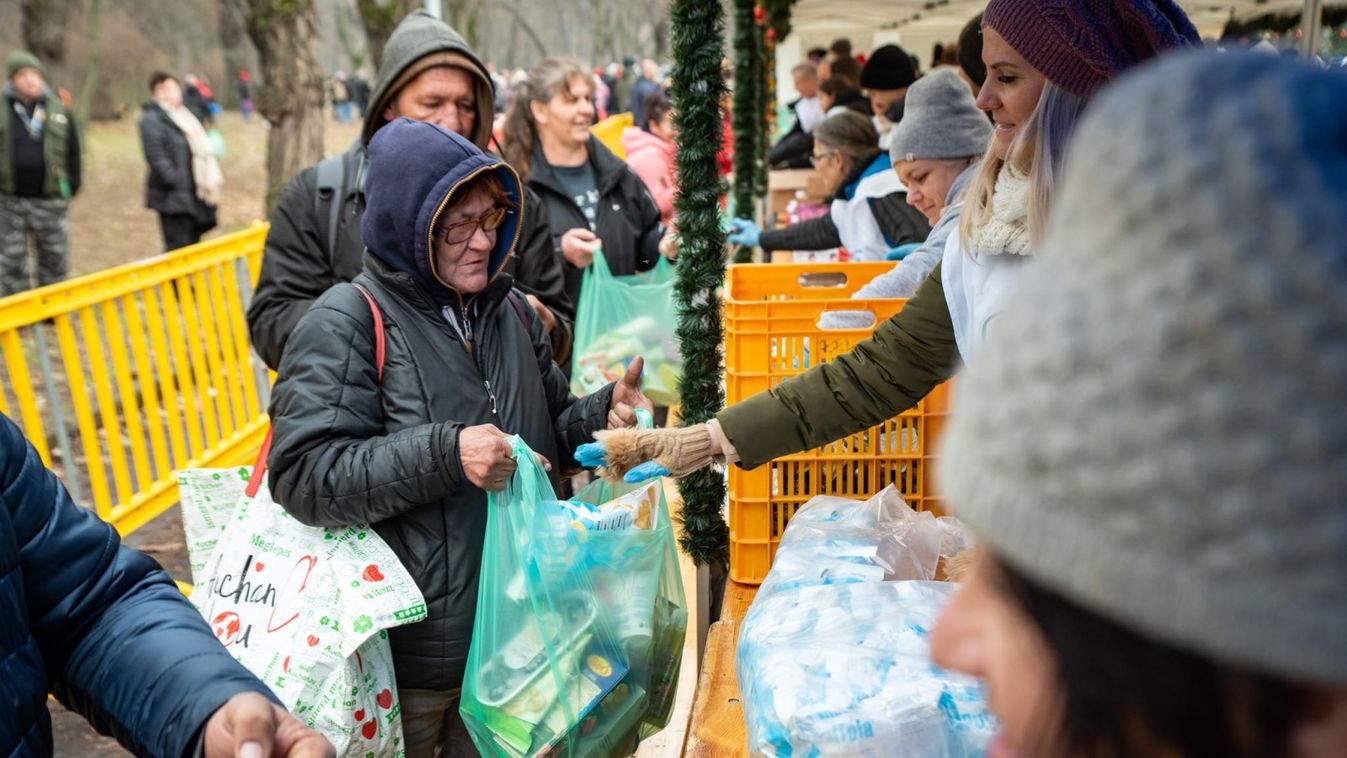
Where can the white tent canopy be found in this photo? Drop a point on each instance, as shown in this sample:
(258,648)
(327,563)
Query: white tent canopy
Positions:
(918,25)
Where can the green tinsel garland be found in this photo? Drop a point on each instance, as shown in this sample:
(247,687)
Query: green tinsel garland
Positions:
(764,72)
(697,91)
(744,118)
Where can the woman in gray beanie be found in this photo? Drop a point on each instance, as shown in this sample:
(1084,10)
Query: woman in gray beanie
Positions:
(869,214)
(1035,106)
(934,150)
(1152,444)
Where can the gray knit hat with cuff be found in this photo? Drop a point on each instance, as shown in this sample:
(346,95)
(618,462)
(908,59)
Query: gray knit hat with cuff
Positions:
(940,120)
(1156,428)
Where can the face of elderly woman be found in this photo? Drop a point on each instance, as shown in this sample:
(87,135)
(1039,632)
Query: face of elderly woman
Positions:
(830,164)
(464,239)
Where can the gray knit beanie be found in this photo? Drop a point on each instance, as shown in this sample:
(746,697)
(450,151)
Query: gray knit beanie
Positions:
(940,120)
(1156,428)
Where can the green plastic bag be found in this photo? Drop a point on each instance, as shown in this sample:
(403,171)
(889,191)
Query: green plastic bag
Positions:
(637,577)
(621,317)
(545,674)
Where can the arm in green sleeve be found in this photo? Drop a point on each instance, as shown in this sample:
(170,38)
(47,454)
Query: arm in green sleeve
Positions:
(907,357)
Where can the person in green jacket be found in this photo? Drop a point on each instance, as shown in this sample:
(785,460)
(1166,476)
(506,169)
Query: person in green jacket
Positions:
(39,173)
(1044,67)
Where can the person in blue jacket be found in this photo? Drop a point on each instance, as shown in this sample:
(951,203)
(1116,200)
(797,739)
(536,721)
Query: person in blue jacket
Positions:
(106,630)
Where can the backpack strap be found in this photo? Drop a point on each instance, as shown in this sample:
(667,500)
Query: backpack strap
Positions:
(521,308)
(260,465)
(331,178)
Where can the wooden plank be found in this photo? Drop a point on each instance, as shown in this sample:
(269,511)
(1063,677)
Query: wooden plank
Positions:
(718,729)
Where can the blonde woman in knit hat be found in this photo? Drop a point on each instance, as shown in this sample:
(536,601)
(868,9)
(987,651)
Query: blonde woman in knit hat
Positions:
(1046,59)
(935,150)
(1164,570)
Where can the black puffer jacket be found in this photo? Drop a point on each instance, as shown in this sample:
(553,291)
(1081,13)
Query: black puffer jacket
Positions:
(300,264)
(169,188)
(629,221)
(350,448)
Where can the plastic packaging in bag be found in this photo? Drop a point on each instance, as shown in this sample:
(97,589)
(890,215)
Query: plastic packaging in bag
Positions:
(545,673)
(833,655)
(832,540)
(635,572)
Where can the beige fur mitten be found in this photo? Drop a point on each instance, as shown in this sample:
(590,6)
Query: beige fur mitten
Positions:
(681,450)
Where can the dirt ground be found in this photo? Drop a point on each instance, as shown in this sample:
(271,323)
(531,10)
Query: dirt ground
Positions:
(109,225)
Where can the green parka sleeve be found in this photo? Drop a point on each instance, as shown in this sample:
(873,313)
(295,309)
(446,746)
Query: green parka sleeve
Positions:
(907,357)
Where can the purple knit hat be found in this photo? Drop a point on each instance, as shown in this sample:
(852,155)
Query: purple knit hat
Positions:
(1081,45)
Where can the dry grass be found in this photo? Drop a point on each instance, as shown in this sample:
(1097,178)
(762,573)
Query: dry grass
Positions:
(109,223)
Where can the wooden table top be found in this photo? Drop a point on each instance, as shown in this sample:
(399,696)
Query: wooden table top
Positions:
(718,729)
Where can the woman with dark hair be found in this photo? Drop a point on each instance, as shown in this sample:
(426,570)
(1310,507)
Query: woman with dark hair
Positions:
(869,212)
(1047,65)
(184,182)
(969,54)
(837,95)
(650,152)
(593,199)
(1164,560)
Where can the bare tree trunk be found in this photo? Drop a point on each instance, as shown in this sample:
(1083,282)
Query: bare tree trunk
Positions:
(462,16)
(522,24)
(43,23)
(91,66)
(290,95)
(236,49)
(380,18)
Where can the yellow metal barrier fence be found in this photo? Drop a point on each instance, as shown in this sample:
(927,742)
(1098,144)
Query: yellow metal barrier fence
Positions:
(609,132)
(122,377)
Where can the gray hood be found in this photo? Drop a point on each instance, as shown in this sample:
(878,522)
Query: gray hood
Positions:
(419,36)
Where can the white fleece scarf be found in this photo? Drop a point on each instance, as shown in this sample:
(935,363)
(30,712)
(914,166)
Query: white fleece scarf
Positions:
(1006,232)
(206,172)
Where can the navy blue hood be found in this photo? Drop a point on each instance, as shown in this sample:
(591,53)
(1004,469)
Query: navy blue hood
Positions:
(413,169)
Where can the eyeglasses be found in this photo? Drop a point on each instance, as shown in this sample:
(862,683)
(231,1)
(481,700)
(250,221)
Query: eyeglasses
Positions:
(457,234)
(816,157)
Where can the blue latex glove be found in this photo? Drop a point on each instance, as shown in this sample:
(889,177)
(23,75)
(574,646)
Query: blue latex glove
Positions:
(744,232)
(645,471)
(902,251)
(591,455)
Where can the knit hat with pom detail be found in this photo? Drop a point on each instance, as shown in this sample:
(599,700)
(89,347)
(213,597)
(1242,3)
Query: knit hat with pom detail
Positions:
(1081,45)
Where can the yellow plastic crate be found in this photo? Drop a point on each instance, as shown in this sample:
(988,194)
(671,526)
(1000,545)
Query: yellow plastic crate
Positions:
(771,312)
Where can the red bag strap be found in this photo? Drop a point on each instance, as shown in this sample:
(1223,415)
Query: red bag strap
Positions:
(260,465)
(378,332)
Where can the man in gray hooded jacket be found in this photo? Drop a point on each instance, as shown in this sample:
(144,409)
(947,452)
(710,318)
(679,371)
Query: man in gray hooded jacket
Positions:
(428,73)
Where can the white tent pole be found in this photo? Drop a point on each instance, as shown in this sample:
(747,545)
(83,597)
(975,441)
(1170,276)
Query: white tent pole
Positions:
(433,8)
(1310,21)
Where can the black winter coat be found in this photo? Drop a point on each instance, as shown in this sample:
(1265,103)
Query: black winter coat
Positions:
(297,267)
(629,220)
(169,188)
(348,448)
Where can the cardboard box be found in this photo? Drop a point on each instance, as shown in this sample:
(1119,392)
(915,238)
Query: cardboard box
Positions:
(783,184)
